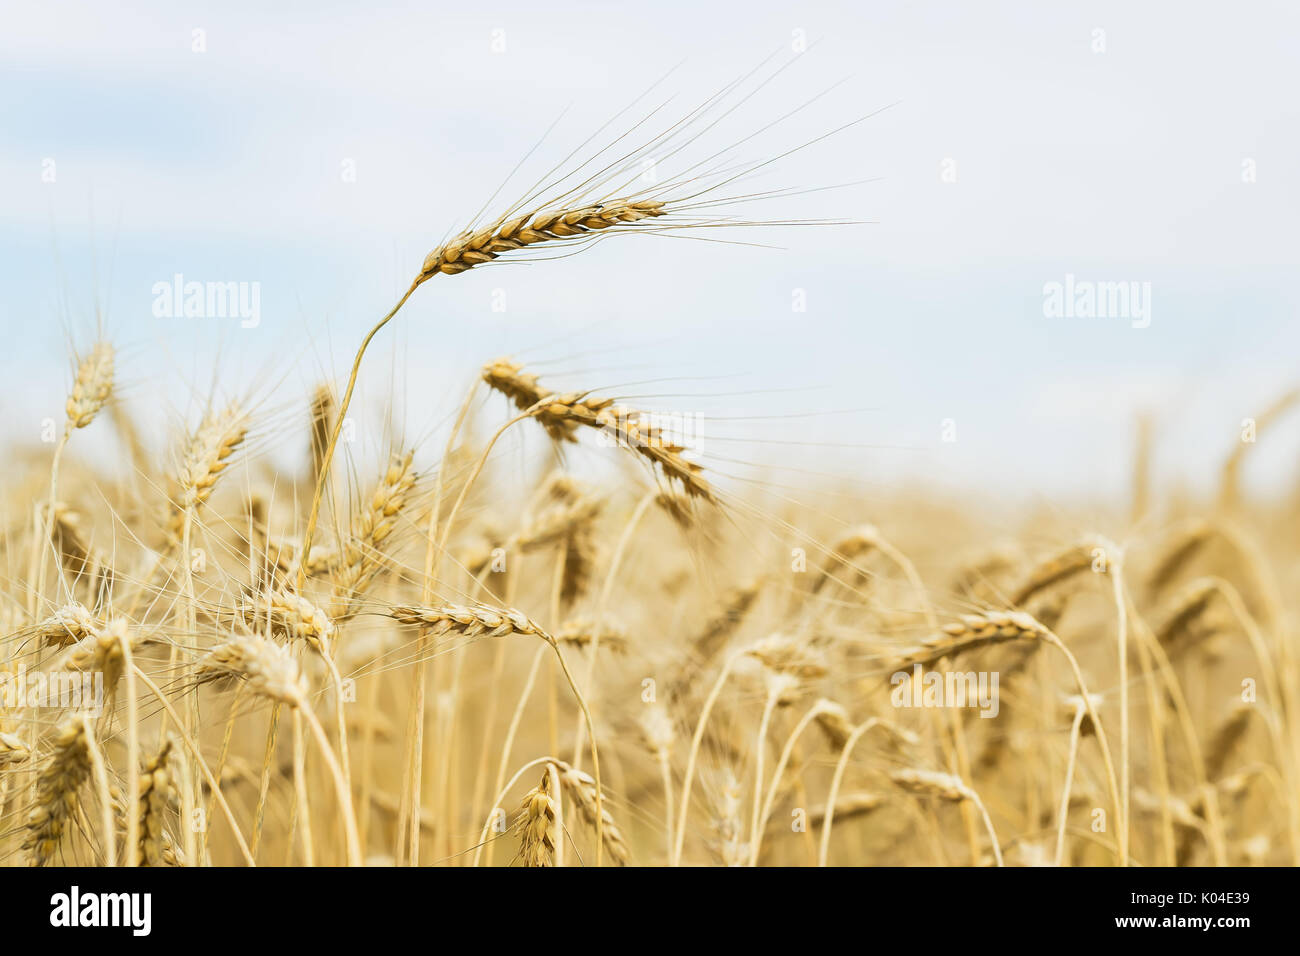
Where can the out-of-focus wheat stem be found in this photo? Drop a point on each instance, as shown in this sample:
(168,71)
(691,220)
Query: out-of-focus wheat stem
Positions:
(786,751)
(193,748)
(100,772)
(689,777)
(602,602)
(1080,711)
(409,815)
(300,790)
(132,754)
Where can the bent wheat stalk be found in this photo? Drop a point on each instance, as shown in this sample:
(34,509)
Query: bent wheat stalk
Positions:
(947,787)
(467,250)
(485,621)
(819,708)
(706,709)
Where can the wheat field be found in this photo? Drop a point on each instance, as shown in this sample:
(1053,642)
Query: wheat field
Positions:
(432,657)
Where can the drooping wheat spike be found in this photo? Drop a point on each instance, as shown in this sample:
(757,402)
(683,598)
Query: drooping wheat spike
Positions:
(678,507)
(580,632)
(852,546)
(92,388)
(951,788)
(783,654)
(847,807)
(1223,743)
(563,414)
(372,525)
(713,635)
(973,631)
(58,788)
(206,456)
(1187,608)
(1072,704)
(1072,561)
(522,388)
(833,721)
(931,783)
(581,788)
(624,425)
(575,408)
(537,825)
(1049,610)
(735,604)
(476,247)
(68,625)
(979,578)
(1177,553)
(268,669)
(478,620)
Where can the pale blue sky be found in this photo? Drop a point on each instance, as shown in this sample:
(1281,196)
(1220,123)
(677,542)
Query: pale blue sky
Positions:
(1113,166)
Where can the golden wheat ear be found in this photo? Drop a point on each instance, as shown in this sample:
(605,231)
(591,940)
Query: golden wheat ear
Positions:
(471,249)
(537,825)
(58,786)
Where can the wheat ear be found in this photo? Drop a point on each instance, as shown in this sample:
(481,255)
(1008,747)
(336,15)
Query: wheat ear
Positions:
(539,823)
(57,790)
(581,787)
(1055,569)
(91,389)
(974,631)
(156,788)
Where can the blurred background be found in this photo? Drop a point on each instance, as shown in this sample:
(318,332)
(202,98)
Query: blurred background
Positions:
(320,150)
